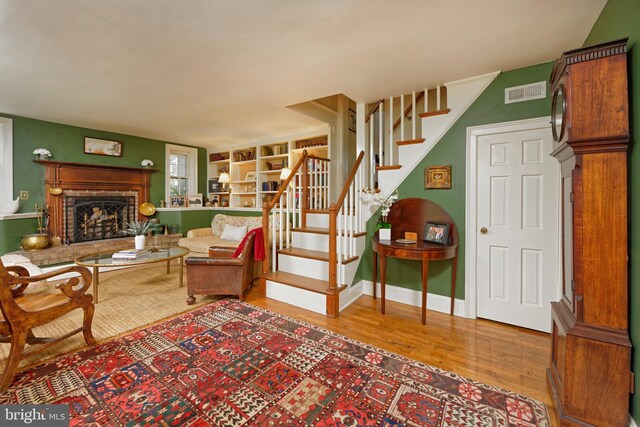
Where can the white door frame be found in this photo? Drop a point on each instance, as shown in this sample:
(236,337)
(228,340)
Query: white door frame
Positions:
(473,134)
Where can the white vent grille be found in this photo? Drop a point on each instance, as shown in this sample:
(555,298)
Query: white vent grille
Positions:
(525,92)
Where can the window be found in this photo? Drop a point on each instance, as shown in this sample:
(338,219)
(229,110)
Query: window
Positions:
(6,159)
(182,170)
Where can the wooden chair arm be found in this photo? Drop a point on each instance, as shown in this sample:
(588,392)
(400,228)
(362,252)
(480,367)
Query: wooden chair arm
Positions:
(66,288)
(20,271)
(214,261)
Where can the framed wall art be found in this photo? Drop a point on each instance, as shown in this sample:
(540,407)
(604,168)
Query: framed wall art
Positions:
(437,177)
(102,147)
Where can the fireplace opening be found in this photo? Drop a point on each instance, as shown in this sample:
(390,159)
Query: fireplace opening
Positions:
(97,218)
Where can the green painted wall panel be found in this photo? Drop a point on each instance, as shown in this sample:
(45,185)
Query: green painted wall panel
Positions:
(619,19)
(11,232)
(488,108)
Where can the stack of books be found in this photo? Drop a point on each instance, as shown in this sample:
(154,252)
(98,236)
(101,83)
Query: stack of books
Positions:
(131,254)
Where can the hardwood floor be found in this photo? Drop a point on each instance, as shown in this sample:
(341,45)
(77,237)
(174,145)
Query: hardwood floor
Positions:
(490,352)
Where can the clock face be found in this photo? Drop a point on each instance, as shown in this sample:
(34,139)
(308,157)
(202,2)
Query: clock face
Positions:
(558,113)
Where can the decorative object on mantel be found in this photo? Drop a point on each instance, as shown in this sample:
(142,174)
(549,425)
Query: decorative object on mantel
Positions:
(139,230)
(42,154)
(32,242)
(146,163)
(437,177)
(382,227)
(102,147)
(147,209)
(10,207)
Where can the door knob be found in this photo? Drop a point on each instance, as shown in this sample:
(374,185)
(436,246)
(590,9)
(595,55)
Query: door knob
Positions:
(484,230)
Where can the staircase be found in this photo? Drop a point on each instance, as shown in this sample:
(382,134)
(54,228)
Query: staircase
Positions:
(313,253)
(315,246)
(394,136)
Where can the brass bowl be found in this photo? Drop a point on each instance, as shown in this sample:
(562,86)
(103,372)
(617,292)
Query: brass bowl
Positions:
(32,242)
(147,209)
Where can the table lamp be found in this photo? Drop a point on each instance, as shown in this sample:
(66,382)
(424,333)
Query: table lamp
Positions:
(224,180)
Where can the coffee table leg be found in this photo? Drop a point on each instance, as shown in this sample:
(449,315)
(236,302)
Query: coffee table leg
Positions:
(181,272)
(96,279)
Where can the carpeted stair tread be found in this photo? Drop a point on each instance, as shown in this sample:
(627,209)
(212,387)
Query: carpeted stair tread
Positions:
(301,282)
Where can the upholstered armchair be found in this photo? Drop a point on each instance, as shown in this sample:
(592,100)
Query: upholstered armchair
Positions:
(24,311)
(220,273)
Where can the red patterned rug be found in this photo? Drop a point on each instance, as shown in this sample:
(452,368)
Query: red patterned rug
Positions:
(233,364)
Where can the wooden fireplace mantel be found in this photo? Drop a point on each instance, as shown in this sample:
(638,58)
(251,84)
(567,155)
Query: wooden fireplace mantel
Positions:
(87,177)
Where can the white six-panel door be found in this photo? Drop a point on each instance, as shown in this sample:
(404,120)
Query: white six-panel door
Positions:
(517,228)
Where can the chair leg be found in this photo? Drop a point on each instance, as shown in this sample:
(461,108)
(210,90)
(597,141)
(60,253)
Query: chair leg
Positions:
(18,340)
(86,324)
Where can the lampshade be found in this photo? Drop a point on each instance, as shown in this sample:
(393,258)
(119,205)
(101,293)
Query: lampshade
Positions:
(285,174)
(224,178)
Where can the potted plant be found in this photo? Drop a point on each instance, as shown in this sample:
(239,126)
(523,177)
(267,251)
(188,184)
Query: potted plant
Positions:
(139,230)
(382,227)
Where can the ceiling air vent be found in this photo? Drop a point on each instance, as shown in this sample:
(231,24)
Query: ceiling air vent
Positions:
(525,92)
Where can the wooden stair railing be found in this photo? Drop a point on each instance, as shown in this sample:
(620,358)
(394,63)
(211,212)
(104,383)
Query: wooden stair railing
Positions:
(309,191)
(345,219)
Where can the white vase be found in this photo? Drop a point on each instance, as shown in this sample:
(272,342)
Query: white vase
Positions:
(140,240)
(384,234)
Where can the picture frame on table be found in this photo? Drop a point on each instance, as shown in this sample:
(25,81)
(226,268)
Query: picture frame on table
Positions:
(195,200)
(102,147)
(177,201)
(436,232)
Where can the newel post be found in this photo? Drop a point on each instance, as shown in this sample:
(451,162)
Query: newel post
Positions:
(304,203)
(333,258)
(265,234)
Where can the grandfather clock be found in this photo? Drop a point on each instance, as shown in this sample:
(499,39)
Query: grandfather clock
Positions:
(589,374)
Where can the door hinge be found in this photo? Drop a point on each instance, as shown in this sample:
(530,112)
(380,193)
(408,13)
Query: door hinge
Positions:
(573,285)
(571,197)
(632,383)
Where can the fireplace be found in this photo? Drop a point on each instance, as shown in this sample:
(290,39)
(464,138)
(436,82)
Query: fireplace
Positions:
(97,217)
(93,202)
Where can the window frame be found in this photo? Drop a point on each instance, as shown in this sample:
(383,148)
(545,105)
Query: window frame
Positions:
(6,158)
(192,168)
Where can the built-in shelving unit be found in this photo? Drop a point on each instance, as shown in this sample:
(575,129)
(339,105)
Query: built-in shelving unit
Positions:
(255,171)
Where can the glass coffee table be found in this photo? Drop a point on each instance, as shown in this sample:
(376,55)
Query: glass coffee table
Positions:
(103,259)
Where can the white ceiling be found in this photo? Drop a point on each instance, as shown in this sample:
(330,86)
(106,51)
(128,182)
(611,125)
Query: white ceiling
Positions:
(216,72)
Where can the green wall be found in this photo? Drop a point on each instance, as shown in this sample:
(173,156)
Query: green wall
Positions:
(66,143)
(619,19)
(451,150)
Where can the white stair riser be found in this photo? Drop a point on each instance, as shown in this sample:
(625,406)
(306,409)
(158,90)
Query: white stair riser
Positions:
(317,242)
(303,266)
(298,297)
(318,220)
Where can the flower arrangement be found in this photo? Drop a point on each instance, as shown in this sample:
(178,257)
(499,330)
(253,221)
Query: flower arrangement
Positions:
(42,153)
(147,163)
(385,205)
(138,228)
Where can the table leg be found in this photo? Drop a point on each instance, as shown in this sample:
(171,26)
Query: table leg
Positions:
(383,281)
(96,279)
(454,265)
(181,272)
(425,287)
(168,266)
(375,273)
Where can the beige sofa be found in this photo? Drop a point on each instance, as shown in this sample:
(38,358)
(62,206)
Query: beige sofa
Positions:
(199,240)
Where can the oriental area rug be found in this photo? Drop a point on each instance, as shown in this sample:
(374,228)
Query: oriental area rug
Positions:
(232,364)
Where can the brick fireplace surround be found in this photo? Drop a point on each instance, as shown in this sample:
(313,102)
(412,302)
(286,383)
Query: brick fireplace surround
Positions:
(92,180)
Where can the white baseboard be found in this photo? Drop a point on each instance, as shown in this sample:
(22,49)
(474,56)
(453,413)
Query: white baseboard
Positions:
(350,295)
(409,296)
(632,422)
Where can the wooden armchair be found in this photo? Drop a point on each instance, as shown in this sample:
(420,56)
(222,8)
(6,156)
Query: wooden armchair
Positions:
(220,274)
(22,312)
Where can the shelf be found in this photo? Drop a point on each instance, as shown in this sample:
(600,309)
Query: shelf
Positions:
(245,162)
(315,147)
(275,156)
(251,181)
(273,171)
(216,162)
(238,193)
(221,193)
(269,192)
